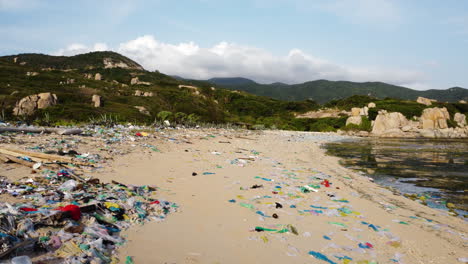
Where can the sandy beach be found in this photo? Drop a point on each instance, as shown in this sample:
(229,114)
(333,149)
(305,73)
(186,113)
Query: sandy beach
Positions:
(265,197)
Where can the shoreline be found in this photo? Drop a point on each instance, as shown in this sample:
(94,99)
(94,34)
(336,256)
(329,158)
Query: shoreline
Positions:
(209,228)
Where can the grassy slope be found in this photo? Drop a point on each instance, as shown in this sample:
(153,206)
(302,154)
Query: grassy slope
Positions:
(217,105)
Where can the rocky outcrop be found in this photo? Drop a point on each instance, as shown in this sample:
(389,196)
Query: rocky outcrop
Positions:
(194,89)
(435,118)
(355,111)
(460,119)
(97,77)
(143,110)
(110,63)
(386,121)
(28,105)
(323,113)
(32,73)
(97,100)
(462,102)
(136,81)
(144,94)
(371,105)
(355,120)
(425,101)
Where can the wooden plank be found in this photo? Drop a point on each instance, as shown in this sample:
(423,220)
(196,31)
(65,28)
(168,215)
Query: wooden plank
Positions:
(42,157)
(60,131)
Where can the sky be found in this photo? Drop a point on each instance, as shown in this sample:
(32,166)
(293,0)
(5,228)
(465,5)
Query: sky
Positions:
(420,44)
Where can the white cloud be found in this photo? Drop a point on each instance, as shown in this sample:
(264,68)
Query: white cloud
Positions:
(77,48)
(231,60)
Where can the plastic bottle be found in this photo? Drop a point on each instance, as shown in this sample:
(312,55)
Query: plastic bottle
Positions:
(21,260)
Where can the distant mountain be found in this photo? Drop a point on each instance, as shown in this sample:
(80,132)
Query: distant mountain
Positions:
(232,81)
(323,91)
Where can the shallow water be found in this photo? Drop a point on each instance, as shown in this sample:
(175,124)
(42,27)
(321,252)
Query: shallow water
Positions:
(434,171)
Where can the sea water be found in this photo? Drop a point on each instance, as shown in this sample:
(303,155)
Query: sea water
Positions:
(434,172)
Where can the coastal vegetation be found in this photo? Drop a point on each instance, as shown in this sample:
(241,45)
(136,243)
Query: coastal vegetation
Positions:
(128,93)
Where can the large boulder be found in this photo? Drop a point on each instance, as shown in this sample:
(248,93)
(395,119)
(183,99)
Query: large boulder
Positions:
(134,80)
(29,104)
(97,102)
(435,118)
(356,120)
(371,105)
(364,111)
(355,111)
(424,101)
(98,77)
(46,100)
(460,119)
(386,121)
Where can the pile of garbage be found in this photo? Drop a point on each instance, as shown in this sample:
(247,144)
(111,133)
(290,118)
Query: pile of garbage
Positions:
(59,216)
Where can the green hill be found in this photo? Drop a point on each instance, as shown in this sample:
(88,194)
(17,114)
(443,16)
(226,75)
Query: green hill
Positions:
(323,91)
(72,79)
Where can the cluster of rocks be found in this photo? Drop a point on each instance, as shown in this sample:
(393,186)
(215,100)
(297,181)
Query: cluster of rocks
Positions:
(357,114)
(194,89)
(144,94)
(136,81)
(109,63)
(432,124)
(32,73)
(29,104)
(323,113)
(68,81)
(96,77)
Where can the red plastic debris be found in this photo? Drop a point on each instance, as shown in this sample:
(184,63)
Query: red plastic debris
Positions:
(326,183)
(27,209)
(138,134)
(155,202)
(73,209)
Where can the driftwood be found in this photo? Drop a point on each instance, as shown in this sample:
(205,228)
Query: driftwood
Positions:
(60,131)
(7,158)
(41,157)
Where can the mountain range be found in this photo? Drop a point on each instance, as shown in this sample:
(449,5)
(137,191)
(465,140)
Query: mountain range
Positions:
(323,91)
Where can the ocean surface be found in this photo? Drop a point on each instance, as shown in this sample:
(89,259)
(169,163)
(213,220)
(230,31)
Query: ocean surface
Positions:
(434,172)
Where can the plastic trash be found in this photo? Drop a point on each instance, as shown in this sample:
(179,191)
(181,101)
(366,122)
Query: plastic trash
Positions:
(246,205)
(21,260)
(265,179)
(262,229)
(69,185)
(321,256)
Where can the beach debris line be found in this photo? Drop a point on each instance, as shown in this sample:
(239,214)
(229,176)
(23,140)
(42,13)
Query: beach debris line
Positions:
(76,221)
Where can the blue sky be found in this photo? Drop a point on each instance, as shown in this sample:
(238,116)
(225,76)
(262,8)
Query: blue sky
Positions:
(420,43)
